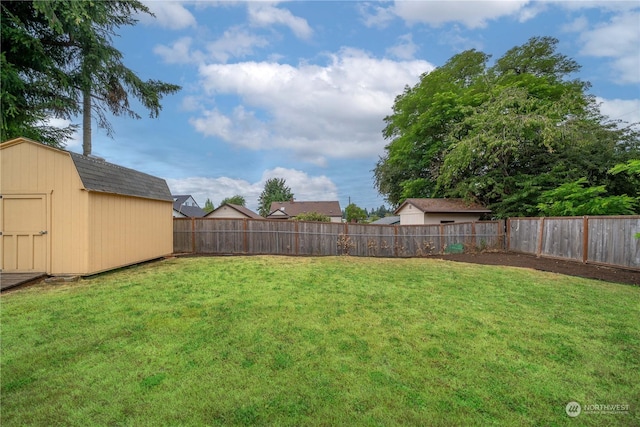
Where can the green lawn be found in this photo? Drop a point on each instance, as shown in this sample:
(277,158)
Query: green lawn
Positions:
(319,341)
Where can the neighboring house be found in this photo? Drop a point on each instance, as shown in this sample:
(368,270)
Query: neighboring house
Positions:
(229,210)
(186,207)
(62,213)
(387,220)
(439,211)
(291,209)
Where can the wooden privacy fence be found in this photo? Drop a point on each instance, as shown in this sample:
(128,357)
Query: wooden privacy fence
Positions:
(277,237)
(607,240)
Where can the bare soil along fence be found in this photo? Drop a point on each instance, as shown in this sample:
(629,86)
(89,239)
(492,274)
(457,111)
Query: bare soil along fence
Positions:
(606,240)
(277,237)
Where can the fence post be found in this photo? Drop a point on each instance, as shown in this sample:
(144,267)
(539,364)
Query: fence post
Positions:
(441,228)
(507,238)
(297,238)
(245,237)
(395,240)
(193,235)
(540,236)
(473,234)
(585,238)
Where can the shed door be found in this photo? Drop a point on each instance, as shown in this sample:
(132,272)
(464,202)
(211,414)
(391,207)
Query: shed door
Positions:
(23,219)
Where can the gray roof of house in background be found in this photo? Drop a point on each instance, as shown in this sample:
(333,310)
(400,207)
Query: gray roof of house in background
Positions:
(387,220)
(190,211)
(105,177)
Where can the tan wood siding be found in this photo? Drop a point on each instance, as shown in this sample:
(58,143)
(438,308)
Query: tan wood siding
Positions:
(28,168)
(124,230)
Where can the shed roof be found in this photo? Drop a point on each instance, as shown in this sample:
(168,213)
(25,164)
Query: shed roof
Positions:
(105,177)
(444,206)
(293,208)
(242,209)
(101,176)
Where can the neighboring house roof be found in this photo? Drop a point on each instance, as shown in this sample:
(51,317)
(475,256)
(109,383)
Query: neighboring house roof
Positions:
(190,211)
(186,210)
(243,210)
(444,206)
(179,200)
(292,209)
(99,175)
(387,220)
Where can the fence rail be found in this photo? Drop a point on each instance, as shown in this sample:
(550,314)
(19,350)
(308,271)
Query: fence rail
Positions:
(606,240)
(249,236)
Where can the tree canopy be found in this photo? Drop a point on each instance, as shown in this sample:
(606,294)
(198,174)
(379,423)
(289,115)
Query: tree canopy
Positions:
(234,200)
(59,62)
(275,190)
(354,213)
(501,135)
(208,206)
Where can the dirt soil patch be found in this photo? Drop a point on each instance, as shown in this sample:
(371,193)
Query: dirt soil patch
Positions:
(571,268)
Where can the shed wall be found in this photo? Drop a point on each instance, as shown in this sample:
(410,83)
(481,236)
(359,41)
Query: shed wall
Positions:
(29,168)
(125,230)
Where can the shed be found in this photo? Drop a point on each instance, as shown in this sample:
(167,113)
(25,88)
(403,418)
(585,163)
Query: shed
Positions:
(439,211)
(67,214)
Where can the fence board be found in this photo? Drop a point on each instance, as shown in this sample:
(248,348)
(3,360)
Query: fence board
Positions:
(608,240)
(562,238)
(614,242)
(182,235)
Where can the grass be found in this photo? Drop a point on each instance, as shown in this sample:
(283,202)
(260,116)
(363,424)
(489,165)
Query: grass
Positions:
(319,341)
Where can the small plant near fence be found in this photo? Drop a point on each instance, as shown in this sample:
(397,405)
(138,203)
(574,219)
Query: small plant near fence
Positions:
(427,248)
(345,244)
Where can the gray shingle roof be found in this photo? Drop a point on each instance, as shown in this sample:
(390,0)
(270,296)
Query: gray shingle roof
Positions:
(387,220)
(190,211)
(105,177)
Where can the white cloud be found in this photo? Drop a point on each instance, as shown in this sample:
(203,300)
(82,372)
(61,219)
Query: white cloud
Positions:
(473,14)
(236,43)
(405,48)
(265,14)
(312,111)
(577,25)
(179,52)
(303,186)
(627,110)
(618,39)
(375,16)
(171,15)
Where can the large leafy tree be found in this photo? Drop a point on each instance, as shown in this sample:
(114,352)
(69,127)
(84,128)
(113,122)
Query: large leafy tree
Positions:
(275,190)
(501,135)
(234,200)
(71,59)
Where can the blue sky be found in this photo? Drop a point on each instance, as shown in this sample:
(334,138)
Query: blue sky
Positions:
(299,90)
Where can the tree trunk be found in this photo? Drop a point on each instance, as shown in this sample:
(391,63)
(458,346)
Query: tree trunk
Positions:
(86,122)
